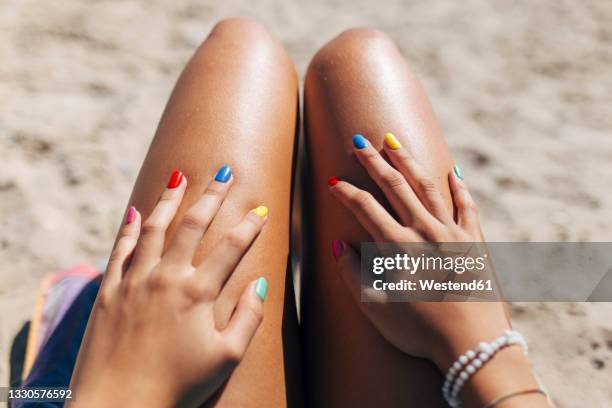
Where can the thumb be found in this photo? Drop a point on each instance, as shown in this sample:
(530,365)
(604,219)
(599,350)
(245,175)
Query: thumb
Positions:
(349,267)
(247,317)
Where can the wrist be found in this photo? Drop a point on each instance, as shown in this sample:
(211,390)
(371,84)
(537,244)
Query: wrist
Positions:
(508,371)
(116,390)
(451,347)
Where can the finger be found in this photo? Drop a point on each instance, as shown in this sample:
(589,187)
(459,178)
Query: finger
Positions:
(120,257)
(421,182)
(194,224)
(467,211)
(153,231)
(370,214)
(219,265)
(393,184)
(246,319)
(349,268)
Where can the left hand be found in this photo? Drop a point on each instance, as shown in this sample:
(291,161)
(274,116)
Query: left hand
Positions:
(152,337)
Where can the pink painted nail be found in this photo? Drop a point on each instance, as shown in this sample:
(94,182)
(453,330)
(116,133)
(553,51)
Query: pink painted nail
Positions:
(337,248)
(131,215)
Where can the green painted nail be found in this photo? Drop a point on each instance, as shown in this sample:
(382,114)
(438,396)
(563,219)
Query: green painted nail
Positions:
(261,288)
(458,172)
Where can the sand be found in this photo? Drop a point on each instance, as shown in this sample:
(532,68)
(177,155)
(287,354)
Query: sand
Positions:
(522,89)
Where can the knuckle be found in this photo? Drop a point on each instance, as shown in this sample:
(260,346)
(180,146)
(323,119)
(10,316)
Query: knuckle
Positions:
(237,240)
(472,207)
(151,228)
(193,222)
(468,203)
(197,290)
(437,233)
(159,281)
(116,256)
(122,250)
(167,196)
(255,314)
(427,185)
(213,190)
(361,199)
(129,286)
(369,154)
(390,235)
(394,179)
(124,233)
(104,298)
(405,159)
(232,353)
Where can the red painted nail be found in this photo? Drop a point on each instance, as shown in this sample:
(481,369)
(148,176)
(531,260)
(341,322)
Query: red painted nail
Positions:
(175,179)
(337,248)
(333,181)
(131,215)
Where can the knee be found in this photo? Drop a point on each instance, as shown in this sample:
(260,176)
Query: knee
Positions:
(250,40)
(359,38)
(245,33)
(352,47)
(242,28)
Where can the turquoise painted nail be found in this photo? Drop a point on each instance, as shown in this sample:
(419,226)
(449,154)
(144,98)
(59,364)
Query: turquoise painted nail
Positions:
(261,288)
(224,174)
(360,142)
(458,172)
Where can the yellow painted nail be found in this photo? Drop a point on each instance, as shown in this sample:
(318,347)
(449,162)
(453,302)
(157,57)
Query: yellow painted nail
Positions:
(261,211)
(392,141)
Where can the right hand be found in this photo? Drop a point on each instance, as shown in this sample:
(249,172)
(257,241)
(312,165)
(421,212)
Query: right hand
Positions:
(439,331)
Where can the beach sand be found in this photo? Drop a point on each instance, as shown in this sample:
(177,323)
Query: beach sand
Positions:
(522,90)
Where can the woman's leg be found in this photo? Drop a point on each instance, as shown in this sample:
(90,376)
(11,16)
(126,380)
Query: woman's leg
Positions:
(236,104)
(359,83)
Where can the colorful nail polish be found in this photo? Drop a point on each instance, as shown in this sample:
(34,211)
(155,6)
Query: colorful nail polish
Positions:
(260,211)
(360,142)
(224,174)
(175,179)
(337,248)
(261,288)
(458,172)
(131,215)
(333,181)
(392,141)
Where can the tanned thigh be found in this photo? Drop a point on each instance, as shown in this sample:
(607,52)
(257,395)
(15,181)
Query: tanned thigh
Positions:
(359,83)
(236,104)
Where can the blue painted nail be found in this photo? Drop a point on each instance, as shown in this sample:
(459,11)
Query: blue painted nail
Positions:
(458,172)
(261,288)
(224,174)
(360,142)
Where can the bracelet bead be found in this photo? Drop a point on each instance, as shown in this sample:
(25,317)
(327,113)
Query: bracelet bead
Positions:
(469,362)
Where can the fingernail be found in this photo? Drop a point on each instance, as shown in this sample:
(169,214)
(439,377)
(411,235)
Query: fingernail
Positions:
(337,248)
(458,172)
(175,179)
(224,174)
(261,211)
(131,215)
(333,181)
(261,288)
(392,141)
(360,142)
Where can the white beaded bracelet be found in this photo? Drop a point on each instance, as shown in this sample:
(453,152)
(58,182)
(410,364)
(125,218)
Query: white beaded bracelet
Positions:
(472,360)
